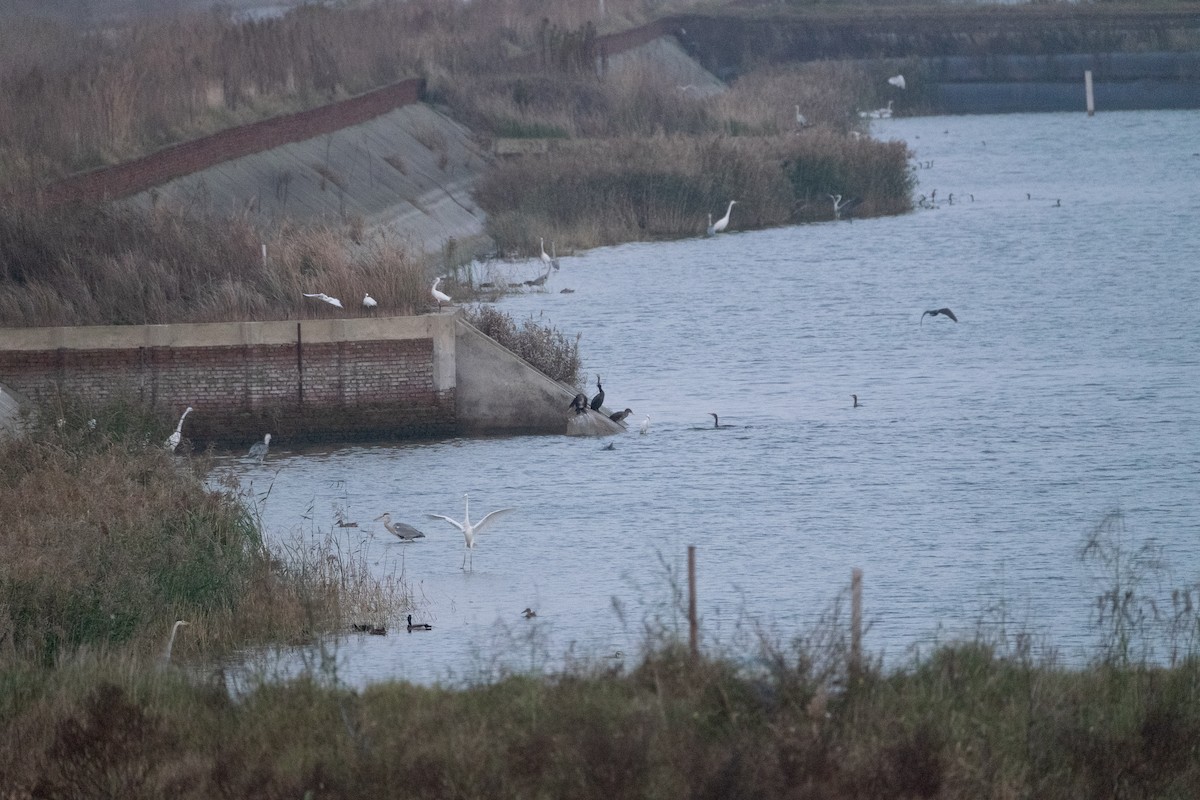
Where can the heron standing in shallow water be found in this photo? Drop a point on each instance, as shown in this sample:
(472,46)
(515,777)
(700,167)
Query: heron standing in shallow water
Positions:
(259,449)
(165,658)
(469,529)
(405,533)
(723,222)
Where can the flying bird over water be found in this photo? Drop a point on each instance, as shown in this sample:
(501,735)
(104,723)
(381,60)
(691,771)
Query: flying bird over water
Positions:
(469,529)
(937,311)
(333,301)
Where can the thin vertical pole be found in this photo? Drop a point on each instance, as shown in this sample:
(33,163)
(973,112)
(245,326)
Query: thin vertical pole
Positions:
(693,627)
(855,623)
(1087,88)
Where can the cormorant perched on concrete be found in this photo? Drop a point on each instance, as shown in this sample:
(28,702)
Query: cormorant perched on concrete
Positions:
(598,400)
(617,416)
(935,312)
(579,404)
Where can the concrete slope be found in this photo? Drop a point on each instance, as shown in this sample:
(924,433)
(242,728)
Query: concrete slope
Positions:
(408,173)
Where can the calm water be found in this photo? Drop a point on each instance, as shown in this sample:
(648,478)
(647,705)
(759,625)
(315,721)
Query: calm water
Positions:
(982,454)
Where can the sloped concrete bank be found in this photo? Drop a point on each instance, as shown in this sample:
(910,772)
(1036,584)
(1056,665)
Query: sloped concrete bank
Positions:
(317,380)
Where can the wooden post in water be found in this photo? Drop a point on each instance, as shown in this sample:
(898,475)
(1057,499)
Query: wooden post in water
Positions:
(855,665)
(1087,88)
(693,627)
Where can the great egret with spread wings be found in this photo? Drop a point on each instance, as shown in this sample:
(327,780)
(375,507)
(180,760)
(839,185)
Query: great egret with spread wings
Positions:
(471,529)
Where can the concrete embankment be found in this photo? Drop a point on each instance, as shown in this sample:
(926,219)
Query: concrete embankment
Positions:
(335,380)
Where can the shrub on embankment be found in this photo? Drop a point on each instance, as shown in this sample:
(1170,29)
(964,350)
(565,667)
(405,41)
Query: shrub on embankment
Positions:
(108,538)
(634,189)
(111,265)
(968,721)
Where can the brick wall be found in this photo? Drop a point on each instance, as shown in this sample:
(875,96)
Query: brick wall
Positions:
(337,389)
(188,157)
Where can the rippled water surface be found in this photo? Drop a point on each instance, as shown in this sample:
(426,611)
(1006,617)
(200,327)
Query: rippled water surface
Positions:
(981,455)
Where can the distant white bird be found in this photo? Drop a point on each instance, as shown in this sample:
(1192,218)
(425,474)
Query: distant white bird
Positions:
(368,301)
(174,439)
(165,658)
(259,449)
(839,205)
(439,296)
(333,301)
(469,529)
(405,533)
(723,222)
(897,81)
(546,259)
(801,120)
(879,113)
(645,427)
(709,231)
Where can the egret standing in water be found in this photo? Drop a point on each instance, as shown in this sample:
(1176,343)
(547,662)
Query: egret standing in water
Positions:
(405,533)
(469,529)
(259,449)
(645,427)
(165,658)
(175,438)
(439,297)
(723,222)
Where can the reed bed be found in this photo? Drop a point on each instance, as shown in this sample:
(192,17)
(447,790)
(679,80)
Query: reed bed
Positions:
(82,571)
(643,189)
(115,265)
(548,349)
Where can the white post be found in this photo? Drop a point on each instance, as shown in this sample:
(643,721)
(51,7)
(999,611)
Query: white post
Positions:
(1087,85)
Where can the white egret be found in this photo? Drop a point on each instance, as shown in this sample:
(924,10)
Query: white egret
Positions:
(165,658)
(259,449)
(469,529)
(528,613)
(645,428)
(879,113)
(801,120)
(546,259)
(418,626)
(439,296)
(174,439)
(598,400)
(947,312)
(333,301)
(723,222)
(839,205)
(405,533)
(368,301)
(897,81)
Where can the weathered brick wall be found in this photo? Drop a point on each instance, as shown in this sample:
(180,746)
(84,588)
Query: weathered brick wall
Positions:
(184,159)
(299,391)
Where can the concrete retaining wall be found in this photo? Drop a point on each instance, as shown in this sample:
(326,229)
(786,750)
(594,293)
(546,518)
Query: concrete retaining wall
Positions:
(316,380)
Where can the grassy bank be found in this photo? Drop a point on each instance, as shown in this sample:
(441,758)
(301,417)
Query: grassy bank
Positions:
(109,538)
(968,721)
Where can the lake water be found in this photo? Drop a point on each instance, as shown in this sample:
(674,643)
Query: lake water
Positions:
(982,454)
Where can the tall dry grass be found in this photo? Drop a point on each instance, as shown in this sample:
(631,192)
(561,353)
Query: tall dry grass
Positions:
(116,265)
(664,187)
(109,538)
